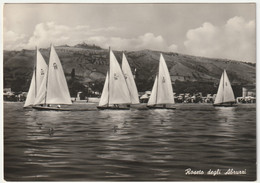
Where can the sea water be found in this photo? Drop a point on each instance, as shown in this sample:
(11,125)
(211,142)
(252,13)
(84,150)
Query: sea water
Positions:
(193,142)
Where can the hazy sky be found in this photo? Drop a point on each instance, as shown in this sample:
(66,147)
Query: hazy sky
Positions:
(211,30)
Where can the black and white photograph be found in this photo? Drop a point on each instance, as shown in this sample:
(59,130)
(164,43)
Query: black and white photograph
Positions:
(112,92)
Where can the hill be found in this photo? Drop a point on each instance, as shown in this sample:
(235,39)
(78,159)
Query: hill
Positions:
(89,64)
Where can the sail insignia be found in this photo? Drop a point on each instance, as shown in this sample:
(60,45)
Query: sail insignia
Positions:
(55,66)
(42,72)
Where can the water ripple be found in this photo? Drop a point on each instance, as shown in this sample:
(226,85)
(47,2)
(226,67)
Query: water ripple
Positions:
(134,145)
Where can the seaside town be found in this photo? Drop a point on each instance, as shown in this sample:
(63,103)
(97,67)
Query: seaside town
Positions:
(248,96)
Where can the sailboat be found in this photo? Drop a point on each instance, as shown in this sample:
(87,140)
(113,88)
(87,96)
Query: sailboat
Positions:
(225,95)
(115,94)
(130,81)
(40,69)
(54,89)
(162,94)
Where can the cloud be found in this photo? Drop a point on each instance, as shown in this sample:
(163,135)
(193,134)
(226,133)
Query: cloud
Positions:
(49,32)
(12,39)
(234,40)
(146,41)
(173,48)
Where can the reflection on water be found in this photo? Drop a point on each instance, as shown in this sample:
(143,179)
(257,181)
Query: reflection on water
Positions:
(226,112)
(144,145)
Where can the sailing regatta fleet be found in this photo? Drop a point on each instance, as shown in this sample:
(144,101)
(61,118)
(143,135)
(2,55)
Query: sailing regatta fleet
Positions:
(49,87)
(119,89)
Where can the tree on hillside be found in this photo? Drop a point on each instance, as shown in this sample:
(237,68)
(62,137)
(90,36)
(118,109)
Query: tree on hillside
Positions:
(19,84)
(72,74)
(75,87)
(97,86)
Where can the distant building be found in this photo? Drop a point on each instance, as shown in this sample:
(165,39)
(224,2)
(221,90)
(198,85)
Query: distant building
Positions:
(248,91)
(179,78)
(6,90)
(10,96)
(78,96)
(248,95)
(144,96)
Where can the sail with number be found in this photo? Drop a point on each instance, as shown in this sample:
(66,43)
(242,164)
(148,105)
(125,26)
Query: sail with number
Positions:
(115,89)
(39,72)
(162,92)
(225,93)
(54,89)
(130,81)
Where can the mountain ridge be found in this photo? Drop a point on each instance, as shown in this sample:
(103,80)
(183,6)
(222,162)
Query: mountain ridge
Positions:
(90,64)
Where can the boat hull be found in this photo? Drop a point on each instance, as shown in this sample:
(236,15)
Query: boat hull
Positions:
(112,108)
(161,107)
(225,105)
(41,108)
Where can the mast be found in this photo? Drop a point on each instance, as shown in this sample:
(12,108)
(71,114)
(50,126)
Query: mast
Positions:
(47,77)
(35,72)
(157,81)
(223,96)
(108,76)
(157,75)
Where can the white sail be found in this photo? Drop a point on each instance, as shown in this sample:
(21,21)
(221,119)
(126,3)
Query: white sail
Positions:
(55,91)
(153,96)
(57,88)
(104,97)
(118,91)
(31,93)
(225,92)
(40,97)
(165,93)
(220,93)
(40,71)
(229,94)
(162,89)
(130,81)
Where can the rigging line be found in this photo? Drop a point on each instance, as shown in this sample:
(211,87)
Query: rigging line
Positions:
(47,77)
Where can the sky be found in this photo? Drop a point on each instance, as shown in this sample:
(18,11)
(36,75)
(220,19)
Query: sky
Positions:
(210,30)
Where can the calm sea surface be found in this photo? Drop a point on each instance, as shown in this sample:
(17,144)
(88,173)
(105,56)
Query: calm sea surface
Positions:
(134,145)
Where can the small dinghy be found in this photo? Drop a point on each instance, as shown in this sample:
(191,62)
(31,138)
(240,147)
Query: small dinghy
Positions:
(115,94)
(53,88)
(40,70)
(162,94)
(225,95)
